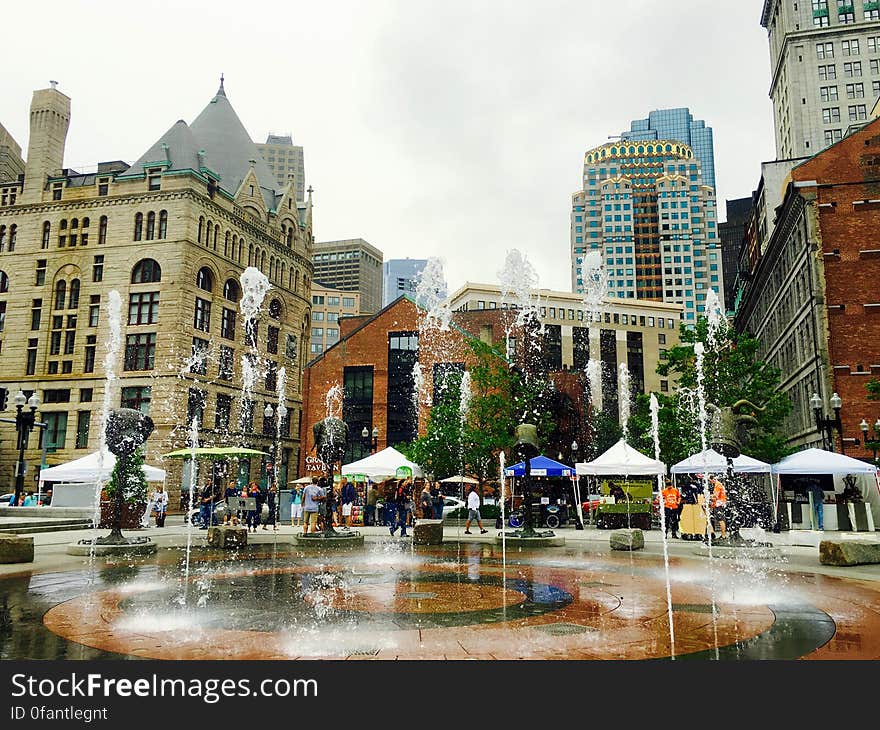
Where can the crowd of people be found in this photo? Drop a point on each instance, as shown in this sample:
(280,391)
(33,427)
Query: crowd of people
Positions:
(673,501)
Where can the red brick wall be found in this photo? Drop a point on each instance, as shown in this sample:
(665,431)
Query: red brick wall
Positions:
(847,172)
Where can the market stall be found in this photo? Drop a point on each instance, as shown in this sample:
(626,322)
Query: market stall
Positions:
(542,466)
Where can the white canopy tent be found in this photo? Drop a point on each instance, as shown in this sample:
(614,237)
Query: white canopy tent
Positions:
(714,463)
(818,461)
(88,469)
(622,460)
(384,463)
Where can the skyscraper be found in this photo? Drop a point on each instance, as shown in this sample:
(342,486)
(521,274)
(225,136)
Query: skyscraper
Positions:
(351,265)
(680,125)
(645,208)
(825,70)
(401,276)
(285,159)
(732,233)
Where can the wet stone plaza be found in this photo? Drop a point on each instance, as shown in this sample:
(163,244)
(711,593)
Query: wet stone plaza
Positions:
(461,600)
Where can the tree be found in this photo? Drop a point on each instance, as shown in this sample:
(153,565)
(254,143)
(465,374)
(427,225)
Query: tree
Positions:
(131,476)
(439,451)
(873,387)
(731,372)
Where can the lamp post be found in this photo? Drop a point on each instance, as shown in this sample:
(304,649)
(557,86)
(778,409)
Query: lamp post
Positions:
(826,424)
(371,441)
(24,424)
(578,509)
(874,444)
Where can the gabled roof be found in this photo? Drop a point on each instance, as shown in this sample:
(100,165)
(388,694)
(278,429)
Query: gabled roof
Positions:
(229,150)
(177,145)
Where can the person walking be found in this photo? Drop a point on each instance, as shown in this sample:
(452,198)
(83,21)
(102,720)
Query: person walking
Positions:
(370,507)
(814,490)
(312,497)
(427,502)
(232,516)
(400,508)
(437,501)
(253,515)
(159,501)
(671,497)
(296,507)
(473,505)
(347,494)
(271,503)
(206,506)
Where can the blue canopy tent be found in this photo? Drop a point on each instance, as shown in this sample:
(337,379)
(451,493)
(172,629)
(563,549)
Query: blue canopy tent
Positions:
(541,466)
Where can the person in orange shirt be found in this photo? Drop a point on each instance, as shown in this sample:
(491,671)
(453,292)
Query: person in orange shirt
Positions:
(718,503)
(671,508)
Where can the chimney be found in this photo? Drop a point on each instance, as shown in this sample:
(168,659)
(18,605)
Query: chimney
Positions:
(50,119)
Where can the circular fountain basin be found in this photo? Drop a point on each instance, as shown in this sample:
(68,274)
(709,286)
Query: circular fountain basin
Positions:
(131,546)
(339,540)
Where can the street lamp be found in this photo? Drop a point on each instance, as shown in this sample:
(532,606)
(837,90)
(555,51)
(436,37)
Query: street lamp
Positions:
(874,444)
(826,424)
(372,443)
(578,508)
(24,424)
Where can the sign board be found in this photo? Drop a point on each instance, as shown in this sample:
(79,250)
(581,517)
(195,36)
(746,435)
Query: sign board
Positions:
(545,500)
(403,472)
(636,488)
(539,472)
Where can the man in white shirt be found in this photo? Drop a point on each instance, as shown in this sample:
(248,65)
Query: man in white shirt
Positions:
(473,503)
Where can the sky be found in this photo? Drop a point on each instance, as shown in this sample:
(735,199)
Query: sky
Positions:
(447,128)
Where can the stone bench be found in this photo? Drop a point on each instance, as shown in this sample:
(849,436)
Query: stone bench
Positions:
(849,552)
(227,536)
(428,532)
(16,549)
(629,539)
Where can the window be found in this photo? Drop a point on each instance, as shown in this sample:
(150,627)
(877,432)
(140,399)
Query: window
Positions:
(872,11)
(143,308)
(195,405)
(138,398)
(231,291)
(845,12)
(94,309)
(198,362)
(47,230)
(154,178)
(317,331)
(56,191)
(851,47)
(857,112)
(290,349)
(824,50)
(140,351)
(163,223)
(85,395)
(831,114)
(271,375)
(41,272)
(317,316)
(146,271)
(89,361)
(31,365)
(855,91)
(69,341)
(138,226)
(251,332)
(272,340)
(828,72)
(151,226)
(226,363)
(205,279)
(202,315)
(60,294)
(348,302)
(36,313)
(98,269)
(73,298)
(56,430)
(853,68)
(833,135)
(227,324)
(103,186)
(13,234)
(222,412)
(83,419)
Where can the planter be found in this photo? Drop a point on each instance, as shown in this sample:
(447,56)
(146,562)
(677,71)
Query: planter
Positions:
(131,515)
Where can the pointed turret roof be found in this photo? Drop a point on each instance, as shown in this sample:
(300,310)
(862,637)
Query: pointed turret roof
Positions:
(231,150)
(177,146)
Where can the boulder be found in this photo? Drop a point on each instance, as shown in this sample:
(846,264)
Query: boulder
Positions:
(629,539)
(227,536)
(428,532)
(16,549)
(848,552)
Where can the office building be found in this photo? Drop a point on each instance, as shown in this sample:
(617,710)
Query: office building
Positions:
(329,305)
(172,234)
(401,276)
(351,265)
(824,69)
(732,232)
(680,125)
(645,209)
(285,160)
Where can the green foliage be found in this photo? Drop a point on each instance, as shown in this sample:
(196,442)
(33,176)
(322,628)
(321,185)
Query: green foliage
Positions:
(732,372)
(131,477)
(873,387)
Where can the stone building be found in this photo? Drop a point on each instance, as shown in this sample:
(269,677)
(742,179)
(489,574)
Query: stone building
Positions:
(171,233)
(810,295)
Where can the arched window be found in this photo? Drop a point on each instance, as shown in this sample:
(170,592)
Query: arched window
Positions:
(47,231)
(102,230)
(263,261)
(74,223)
(73,299)
(283,273)
(208,233)
(13,233)
(138,226)
(296,281)
(231,290)
(216,234)
(226,245)
(290,238)
(204,279)
(250,254)
(271,268)
(275,309)
(63,224)
(86,222)
(163,223)
(201,227)
(4,282)
(240,250)
(151,225)
(2,239)
(146,271)
(60,293)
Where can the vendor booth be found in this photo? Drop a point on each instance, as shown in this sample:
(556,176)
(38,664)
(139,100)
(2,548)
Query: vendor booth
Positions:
(859,512)
(550,500)
(633,505)
(73,483)
(385,463)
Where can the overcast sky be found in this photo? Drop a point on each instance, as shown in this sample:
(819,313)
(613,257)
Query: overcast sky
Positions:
(451,128)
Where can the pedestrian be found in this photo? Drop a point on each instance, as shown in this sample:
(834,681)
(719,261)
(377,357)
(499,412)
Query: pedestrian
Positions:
(399,508)
(160,505)
(47,498)
(814,489)
(671,497)
(231,517)
(30,500)
(437,501)
(253,515)
(473,505)
(370,508)
(427,502)
(206,504)
(296,507)
(347,495)
(312,497)
(271,503)
(718,502)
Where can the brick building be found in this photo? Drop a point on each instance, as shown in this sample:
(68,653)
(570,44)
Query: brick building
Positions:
(812,298)
(172,233)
